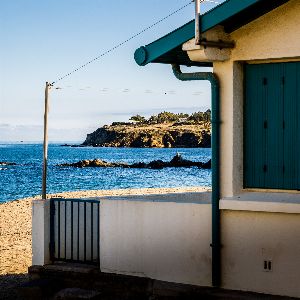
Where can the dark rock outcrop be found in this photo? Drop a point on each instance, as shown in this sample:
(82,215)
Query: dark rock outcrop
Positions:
(93,163)
(6,163)
(176,162)
(71,145)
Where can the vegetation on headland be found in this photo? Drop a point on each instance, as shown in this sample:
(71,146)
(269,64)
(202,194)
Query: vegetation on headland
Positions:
(165,129)
(169,117)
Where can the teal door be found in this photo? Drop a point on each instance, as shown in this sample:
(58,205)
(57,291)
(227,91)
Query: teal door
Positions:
(272,125)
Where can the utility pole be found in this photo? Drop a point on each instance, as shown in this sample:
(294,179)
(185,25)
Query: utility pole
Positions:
(197,22)
(45,156)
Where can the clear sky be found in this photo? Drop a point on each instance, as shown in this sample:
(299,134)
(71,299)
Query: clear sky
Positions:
(43,40)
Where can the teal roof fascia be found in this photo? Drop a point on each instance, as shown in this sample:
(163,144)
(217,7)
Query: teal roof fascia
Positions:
(149,53)
(217,16)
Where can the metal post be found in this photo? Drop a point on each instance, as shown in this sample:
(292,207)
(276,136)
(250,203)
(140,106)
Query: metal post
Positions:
(45,156)
(197,22)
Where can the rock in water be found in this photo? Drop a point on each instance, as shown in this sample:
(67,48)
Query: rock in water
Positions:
(176,162)
(6,163)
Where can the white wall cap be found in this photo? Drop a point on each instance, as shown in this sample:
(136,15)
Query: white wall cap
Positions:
(198,197)
(264,202)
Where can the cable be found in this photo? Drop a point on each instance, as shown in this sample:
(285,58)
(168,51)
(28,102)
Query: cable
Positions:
(122,43)
(211,1)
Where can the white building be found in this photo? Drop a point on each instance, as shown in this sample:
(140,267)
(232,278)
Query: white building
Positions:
(247,236)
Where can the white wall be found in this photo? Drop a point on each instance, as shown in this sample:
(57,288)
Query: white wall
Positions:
(249,238)
(272,37)
(164,237)
(40,232)
(167,237)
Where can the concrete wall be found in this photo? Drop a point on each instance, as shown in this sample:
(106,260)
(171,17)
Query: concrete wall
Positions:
(273,37)
(168,236)
(250,238)
(165,237)
(256,225)
(40,232)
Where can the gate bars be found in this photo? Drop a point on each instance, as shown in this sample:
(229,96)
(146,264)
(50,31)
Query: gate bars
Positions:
(74,230)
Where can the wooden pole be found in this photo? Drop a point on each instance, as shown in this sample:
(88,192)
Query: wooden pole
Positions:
(197,22)
(45,156)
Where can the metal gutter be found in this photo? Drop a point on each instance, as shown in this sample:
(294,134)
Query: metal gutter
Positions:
(215,120)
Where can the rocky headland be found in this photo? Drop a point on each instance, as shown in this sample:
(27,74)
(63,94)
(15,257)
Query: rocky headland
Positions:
(169,135)
(164,130)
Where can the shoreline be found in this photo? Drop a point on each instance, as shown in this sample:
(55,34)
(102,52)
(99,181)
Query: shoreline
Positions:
(15,223)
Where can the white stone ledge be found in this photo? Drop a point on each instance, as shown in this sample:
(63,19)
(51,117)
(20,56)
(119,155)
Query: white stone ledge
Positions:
(188,197)
(263,202)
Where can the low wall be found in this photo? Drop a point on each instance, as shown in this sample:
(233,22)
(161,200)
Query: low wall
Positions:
(40,232)
(165,237)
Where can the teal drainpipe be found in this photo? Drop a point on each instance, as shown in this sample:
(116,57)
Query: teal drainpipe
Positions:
(215,163)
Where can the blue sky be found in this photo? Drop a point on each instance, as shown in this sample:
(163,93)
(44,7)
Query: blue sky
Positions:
(43,40)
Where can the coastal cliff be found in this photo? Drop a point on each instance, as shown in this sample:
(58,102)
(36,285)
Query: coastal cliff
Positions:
(168,135)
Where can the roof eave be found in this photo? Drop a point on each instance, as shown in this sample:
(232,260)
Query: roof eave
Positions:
(231,14)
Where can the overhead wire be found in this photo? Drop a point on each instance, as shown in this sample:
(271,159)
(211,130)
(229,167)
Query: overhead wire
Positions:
(125,90)
(122,43)
(129,39)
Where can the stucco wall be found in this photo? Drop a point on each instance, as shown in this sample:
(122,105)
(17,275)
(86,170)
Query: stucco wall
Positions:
(249,238)
(167,237)
(40,232)
(162,240)
(273,37)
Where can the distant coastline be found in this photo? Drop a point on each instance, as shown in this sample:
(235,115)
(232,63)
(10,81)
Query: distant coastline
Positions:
(165,130)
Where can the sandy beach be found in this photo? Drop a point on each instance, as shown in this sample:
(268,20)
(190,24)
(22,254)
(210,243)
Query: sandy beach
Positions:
(15,224)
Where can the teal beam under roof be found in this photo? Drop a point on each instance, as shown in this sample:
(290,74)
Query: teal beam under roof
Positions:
(231,14)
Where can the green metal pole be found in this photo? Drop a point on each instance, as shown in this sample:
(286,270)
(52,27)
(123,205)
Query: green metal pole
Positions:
(215,161)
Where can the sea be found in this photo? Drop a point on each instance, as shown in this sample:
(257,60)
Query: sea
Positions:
(25,178)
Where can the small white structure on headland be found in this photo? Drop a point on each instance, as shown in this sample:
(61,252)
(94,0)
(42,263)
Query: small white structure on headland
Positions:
(254,227)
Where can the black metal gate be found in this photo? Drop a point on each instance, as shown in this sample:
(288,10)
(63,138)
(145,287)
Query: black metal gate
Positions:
(75,230)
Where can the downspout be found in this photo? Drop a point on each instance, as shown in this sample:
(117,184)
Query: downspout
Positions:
(215,161)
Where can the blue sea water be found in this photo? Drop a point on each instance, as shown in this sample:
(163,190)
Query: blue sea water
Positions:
(24,179)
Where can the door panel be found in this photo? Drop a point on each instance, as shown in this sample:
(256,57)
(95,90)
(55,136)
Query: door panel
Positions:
(254,124)
(291,130)
(274,131)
